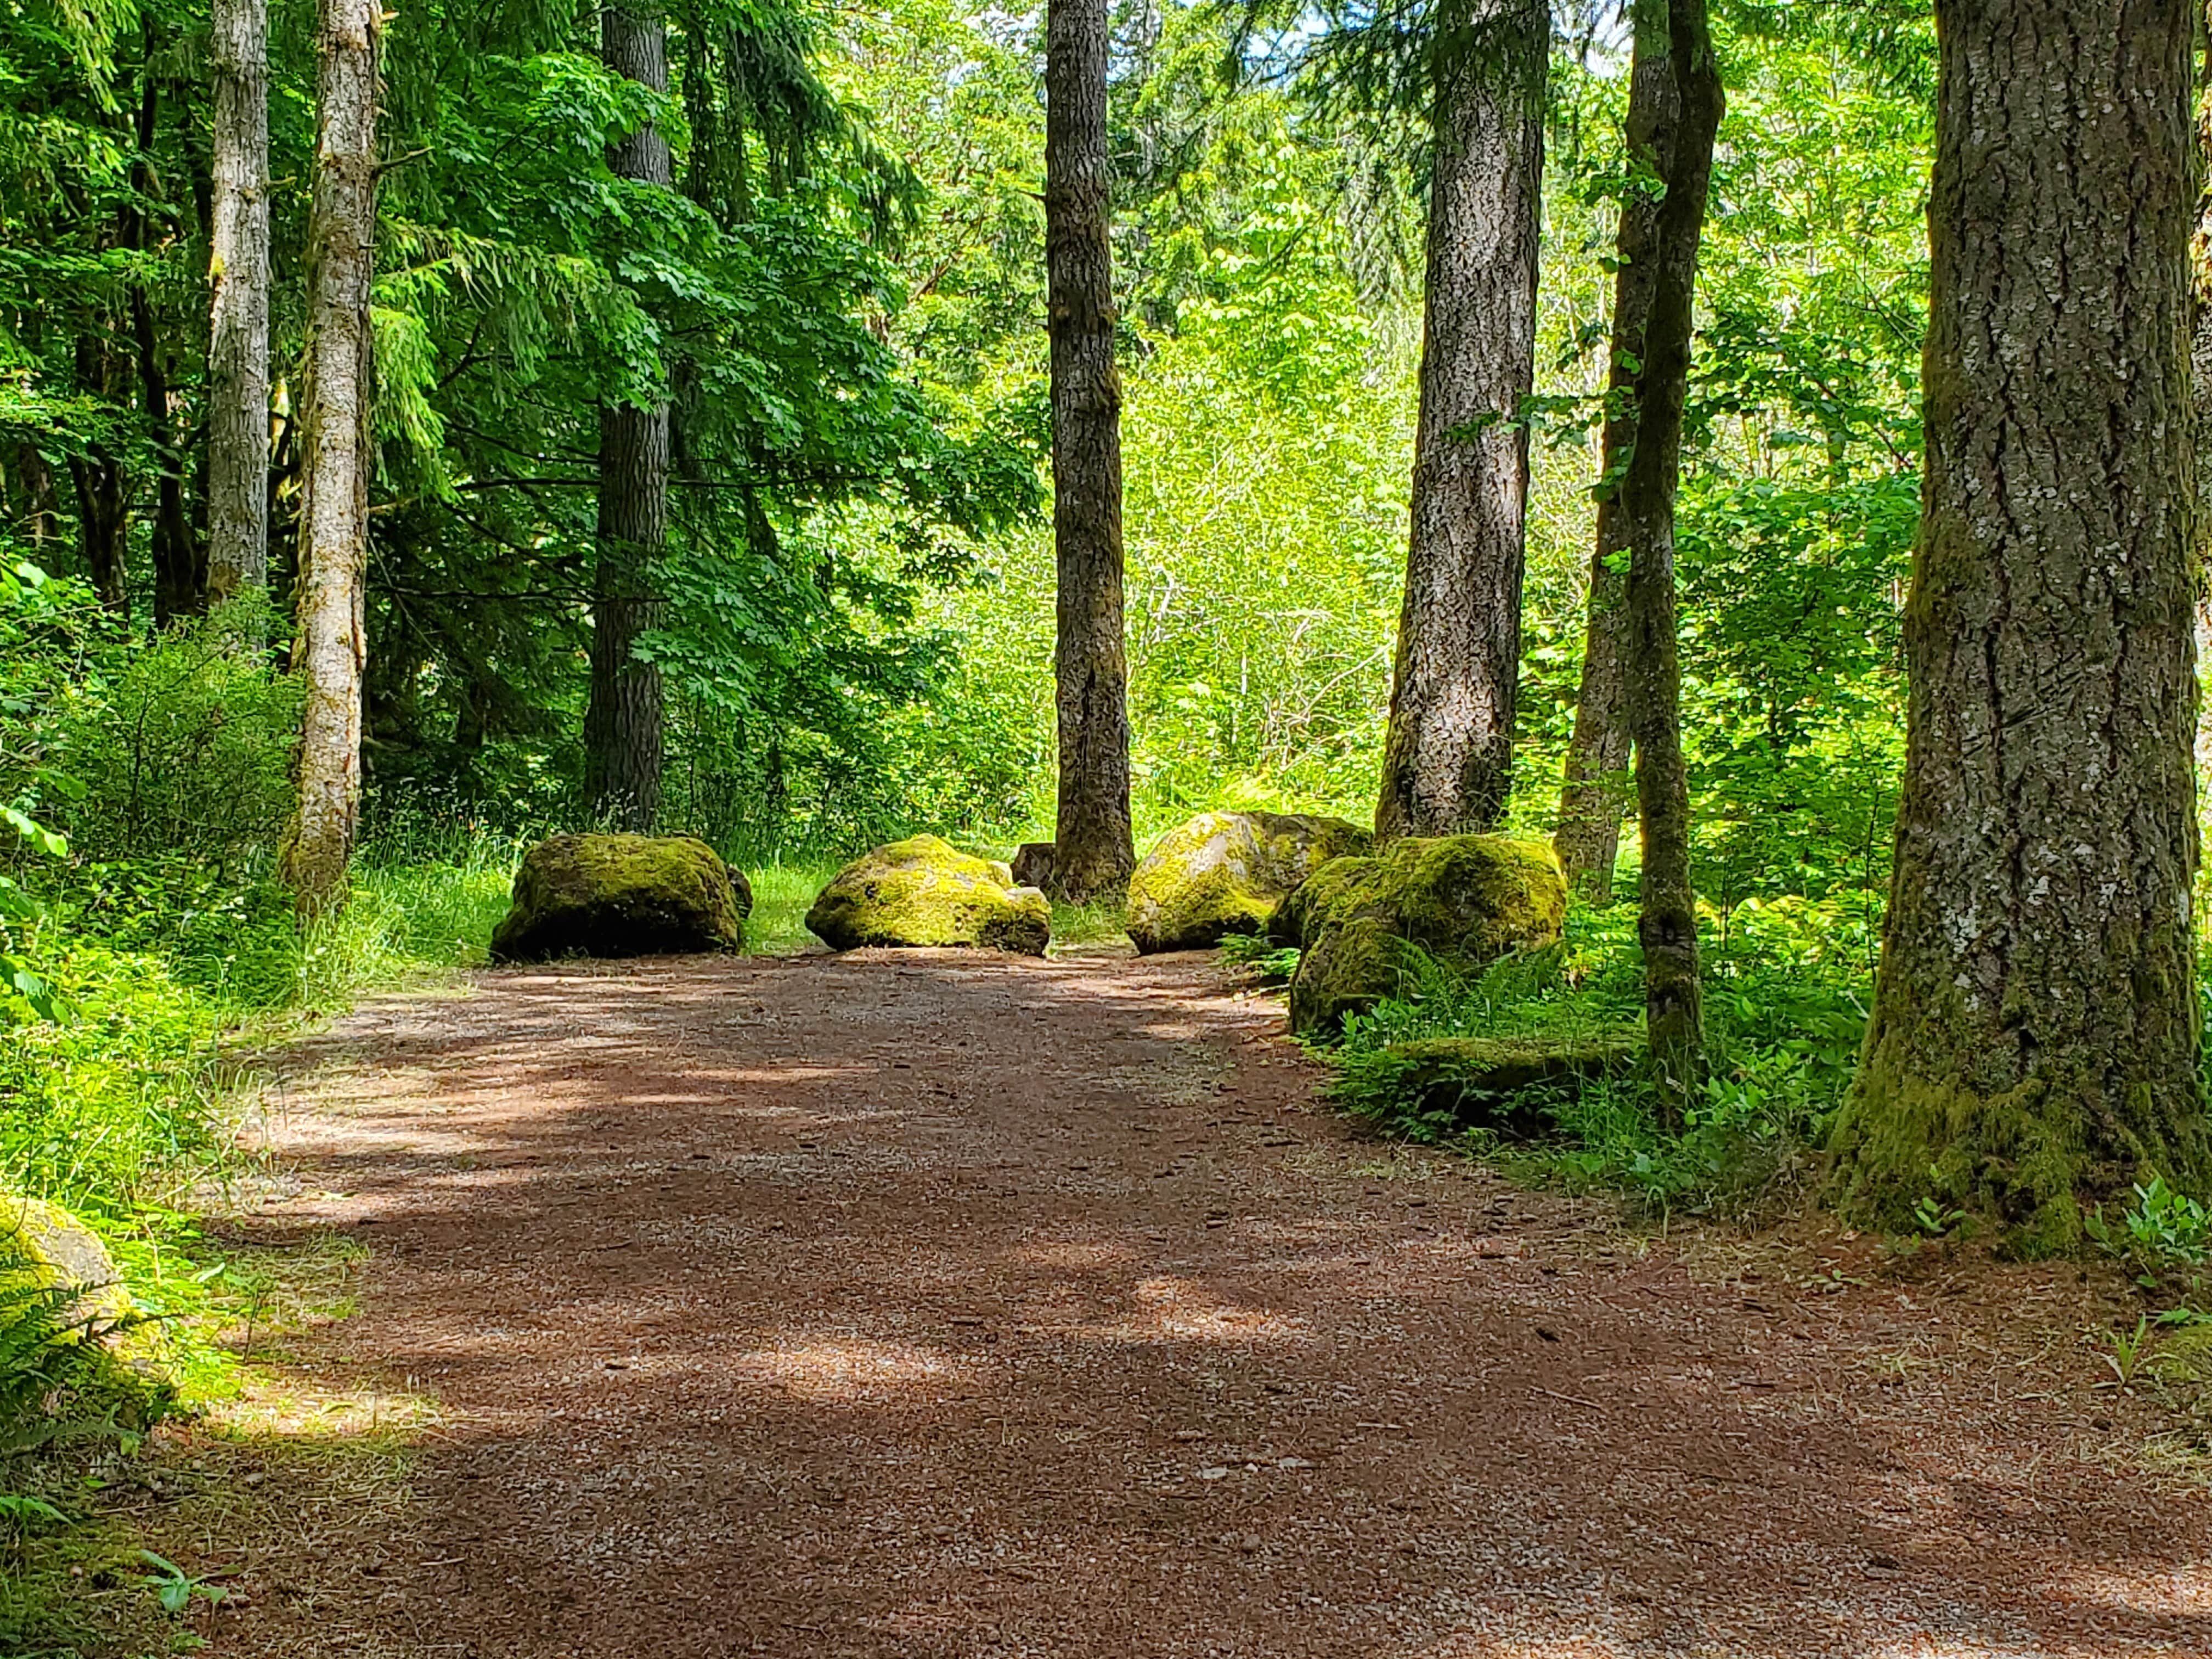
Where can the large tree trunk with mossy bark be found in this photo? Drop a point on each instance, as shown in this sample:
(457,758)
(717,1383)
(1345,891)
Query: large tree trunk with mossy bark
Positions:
(2034,1038)
(1448,756)
(331,649)
(1094,848)
(1593,799)
(622,723)
(1675,113)
(237,310)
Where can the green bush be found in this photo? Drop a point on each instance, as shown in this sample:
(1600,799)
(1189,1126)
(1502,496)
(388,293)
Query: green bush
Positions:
(186,751)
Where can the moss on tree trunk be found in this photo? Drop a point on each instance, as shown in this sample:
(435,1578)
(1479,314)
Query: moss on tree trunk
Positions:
(2033,1043)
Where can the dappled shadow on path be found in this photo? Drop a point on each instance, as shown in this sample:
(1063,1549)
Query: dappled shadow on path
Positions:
(911,1303)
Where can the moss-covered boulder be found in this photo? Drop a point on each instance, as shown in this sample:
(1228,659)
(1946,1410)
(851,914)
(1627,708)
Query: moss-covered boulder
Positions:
(622,895)
(924,890)
(43,1246)
(1462,899)
(56,1270)
(1224,872)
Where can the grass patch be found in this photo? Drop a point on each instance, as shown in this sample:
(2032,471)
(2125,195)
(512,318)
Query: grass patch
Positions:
(1100,922)
(782,895)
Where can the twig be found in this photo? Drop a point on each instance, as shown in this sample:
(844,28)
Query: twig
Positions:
(1571,1399)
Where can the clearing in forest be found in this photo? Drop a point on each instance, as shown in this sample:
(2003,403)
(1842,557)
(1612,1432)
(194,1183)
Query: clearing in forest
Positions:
(907,1304)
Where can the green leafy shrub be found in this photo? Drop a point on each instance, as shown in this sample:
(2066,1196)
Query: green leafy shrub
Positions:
(187,750)
(2161,1230)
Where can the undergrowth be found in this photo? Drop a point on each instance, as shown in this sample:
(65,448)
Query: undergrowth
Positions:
(1786,983)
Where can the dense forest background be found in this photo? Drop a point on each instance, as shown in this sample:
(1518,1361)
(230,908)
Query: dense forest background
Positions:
(857,639)
(841,300)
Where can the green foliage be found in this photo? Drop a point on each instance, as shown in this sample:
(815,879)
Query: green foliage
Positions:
(2161,1230)
(187,747)
(1787,982)
(175,1589)
(1268,963)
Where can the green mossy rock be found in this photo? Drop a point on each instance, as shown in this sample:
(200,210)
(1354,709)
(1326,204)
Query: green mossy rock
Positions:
(1224,872)
(42,1244)
(622,895)
(1463,900)
(924,890)
(120,1363)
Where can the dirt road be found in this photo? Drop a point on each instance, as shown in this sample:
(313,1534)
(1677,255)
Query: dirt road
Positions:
(918,1304)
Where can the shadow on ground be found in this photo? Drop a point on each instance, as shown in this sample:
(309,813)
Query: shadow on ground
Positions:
(928,1304)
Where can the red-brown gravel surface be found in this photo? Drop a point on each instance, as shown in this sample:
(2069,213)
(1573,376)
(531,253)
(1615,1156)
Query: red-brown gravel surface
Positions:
(908,1304)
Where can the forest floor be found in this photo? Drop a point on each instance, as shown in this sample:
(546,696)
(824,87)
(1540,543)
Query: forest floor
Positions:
(908,1304)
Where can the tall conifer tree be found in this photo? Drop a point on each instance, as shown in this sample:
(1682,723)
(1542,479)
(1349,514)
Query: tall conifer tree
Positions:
(1447,764)
(1093,849)
(2035,1028)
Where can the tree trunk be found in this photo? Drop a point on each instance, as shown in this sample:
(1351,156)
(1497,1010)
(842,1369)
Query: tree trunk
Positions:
(2034,1035)
(180,578)
(1094,850)
(334,408)
(622,721)
(174,553)
(102,506)
(1592,802)
(238,333)
(1448,760)
(31,497)
(1674,113)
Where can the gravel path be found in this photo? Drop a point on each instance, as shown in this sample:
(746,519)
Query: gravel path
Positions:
(906,1304)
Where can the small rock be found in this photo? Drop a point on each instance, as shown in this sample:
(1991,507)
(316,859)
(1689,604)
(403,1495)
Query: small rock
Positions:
(1215,1472)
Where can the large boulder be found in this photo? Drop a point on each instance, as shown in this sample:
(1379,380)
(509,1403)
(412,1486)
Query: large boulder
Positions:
(58,1270)
(622,895)
(924,890)
(1464,901)
(1224,872)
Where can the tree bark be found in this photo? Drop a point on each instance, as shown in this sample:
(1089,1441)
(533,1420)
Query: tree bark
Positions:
(102,506)
(1448,758)
(1094,848)
(31,497)
(1592,801)
(179,577)
(622,721)
(237,282)
(179,585)
(2034,1036)
(330,650)
(1673,127)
